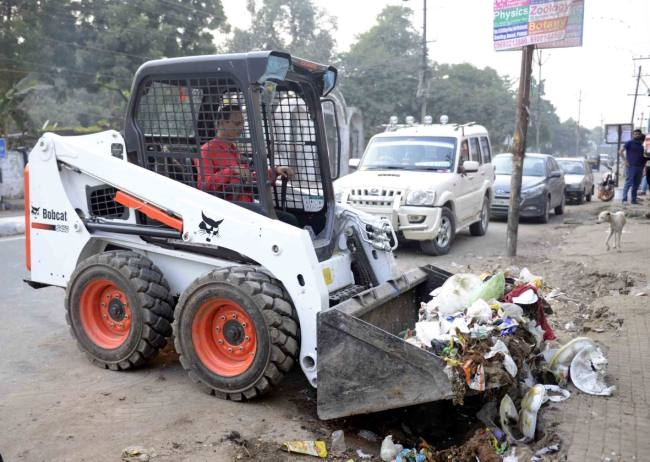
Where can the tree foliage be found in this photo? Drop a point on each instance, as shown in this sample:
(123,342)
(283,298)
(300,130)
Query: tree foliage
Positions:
(96,45)
(295,26)
(380,72)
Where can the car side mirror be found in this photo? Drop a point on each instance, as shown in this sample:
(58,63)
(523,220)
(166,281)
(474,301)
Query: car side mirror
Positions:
(354,163)
(470,166)
(556,174)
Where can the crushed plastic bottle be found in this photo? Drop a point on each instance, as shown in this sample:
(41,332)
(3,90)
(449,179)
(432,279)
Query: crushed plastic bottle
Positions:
(338,448)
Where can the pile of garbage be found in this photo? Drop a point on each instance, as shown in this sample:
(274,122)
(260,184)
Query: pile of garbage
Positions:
(491,330)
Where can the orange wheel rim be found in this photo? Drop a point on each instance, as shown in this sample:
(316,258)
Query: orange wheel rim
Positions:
(224,338)
(105,313)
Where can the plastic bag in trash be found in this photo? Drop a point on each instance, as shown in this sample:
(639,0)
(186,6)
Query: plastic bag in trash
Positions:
(493,288)
(389,450)
(588,370)
(480,311)
(508,362)
(456,293)
(526,277)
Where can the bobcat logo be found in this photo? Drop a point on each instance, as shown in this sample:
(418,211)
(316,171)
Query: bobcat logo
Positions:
(209,227)
(35,211)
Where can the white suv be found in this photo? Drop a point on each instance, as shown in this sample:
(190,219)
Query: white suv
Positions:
(429,181)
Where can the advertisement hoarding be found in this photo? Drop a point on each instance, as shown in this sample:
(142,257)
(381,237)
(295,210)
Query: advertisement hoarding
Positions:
(518,23)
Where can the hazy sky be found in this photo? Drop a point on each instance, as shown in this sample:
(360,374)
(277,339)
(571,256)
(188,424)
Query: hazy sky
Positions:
(603,70)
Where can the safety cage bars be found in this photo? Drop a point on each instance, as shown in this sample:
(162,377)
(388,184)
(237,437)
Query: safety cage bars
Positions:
(196,131)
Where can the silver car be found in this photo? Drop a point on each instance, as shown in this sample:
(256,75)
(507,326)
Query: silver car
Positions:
(578,177)
(542,186)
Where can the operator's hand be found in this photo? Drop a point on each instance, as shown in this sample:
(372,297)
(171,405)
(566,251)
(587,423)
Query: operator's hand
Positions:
(244,173)
(283,170)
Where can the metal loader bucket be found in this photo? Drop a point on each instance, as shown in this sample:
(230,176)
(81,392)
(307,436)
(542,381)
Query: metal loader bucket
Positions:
(363,366)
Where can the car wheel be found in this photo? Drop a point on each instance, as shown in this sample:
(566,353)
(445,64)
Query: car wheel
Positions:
(441,244)
(591,193)
(559,210)
(543,218)
(480,227)
(581,198)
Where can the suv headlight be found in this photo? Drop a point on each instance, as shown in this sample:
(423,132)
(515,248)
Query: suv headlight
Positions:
(534,191)
(418,197)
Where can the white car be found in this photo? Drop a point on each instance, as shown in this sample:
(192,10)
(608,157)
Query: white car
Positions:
(429,181)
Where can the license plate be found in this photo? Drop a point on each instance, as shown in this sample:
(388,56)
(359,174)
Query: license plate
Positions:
(501,201)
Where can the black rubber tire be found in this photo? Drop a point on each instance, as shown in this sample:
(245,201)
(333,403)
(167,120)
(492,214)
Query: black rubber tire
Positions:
(269,307)
(150,303)
(480,227)
(581,198)
(559,210)
(440,245)
(590,195)
(543,218)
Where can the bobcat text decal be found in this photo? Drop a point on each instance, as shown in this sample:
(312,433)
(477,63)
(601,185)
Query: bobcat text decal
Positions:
(209,227)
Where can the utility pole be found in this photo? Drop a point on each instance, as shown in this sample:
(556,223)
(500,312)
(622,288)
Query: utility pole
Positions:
(423,94)
(578,125)
(636,93)
(539,99)
(519,147)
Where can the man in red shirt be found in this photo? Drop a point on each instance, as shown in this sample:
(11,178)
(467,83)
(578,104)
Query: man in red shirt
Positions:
(221,166)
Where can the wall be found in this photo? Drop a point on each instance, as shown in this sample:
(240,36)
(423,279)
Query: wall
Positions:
(11,166)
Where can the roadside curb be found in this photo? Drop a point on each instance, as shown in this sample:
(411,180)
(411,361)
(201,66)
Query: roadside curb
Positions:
(11,226)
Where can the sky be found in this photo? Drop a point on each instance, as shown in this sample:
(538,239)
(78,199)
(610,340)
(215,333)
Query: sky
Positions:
(593,83)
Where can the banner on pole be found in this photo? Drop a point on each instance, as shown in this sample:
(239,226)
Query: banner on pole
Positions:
(545,23)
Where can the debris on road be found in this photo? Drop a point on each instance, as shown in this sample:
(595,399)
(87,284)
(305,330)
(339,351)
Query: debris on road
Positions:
(310,448)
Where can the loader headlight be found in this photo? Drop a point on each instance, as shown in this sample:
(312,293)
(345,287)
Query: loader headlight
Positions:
(421,197)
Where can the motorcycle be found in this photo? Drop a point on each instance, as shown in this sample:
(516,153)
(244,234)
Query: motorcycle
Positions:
(607,187)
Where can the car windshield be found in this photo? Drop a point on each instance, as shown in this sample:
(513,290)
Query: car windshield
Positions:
(410,153)
(572,167)
(533,166)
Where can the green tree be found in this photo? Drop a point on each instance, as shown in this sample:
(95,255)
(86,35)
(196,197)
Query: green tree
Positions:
(468,94)
(294,26)
(379,74)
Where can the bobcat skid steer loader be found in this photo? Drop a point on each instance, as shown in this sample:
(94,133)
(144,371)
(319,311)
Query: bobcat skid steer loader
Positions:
(172,228)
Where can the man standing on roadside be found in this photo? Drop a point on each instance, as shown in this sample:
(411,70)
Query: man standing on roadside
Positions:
(632,154)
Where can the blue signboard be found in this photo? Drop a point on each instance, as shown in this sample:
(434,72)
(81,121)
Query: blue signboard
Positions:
(3,148)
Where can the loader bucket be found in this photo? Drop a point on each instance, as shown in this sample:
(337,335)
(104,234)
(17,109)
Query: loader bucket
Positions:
(363,366)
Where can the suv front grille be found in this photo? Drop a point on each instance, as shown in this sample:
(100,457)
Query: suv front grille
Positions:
(374,197)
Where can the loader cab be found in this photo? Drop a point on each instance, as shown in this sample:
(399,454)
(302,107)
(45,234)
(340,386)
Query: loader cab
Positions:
(179,106)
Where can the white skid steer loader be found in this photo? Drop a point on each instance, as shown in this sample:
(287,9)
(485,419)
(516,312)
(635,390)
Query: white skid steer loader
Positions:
(181,226)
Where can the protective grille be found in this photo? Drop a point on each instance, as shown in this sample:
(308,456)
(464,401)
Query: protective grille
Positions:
(101,203)
(294,140)
(196,132)
(373,197)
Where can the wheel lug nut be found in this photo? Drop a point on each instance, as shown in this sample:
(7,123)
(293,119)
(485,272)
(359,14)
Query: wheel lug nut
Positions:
(223,318)
(234,316)
(220,342)
(218,329)
(241,348)
(247,338)
(243,324)
(229,350)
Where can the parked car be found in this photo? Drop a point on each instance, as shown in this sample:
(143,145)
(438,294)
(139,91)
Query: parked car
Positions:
(578,177)
(429,180)
(605,160)
(542,186)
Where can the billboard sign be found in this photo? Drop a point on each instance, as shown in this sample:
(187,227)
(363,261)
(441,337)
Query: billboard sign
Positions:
(612,131)
(518,23)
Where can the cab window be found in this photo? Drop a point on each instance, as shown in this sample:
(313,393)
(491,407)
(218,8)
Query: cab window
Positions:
(485,150)
(474,150)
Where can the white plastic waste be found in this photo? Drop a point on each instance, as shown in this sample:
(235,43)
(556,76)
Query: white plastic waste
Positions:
(512,311)
(389,450)
(561,360)
(526,277)
(425,331)
(556,393)
(508,362)
(509,419)
(527,297)
(530,404)
(588,370)
(480,311)
(455,293)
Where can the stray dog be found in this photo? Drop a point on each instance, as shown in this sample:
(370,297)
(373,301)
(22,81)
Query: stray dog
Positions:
(616,222)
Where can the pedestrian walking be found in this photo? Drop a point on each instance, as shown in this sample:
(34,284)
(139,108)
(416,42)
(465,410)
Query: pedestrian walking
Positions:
(632,153)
